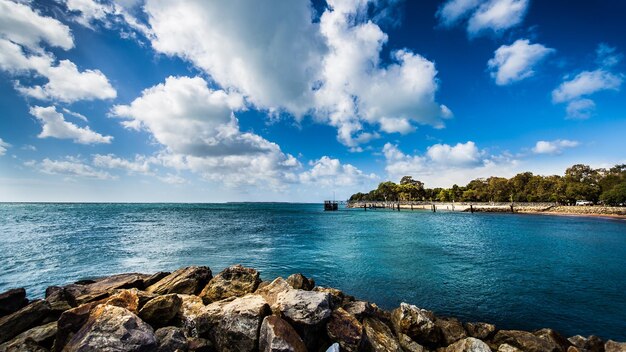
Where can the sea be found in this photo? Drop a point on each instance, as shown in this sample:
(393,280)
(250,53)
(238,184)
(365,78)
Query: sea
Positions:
(517,271)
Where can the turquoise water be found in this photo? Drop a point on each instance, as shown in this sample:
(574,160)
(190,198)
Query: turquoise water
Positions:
(518,271)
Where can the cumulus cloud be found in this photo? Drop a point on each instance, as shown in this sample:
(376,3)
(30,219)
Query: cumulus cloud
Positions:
(444,165)
(279,60)
(553,147)
(515,62)
(3,147)
(70,166)
(140,165)
(484,16)
(575,91)
(327,171)
(200,132)
(54,125)
(88,10)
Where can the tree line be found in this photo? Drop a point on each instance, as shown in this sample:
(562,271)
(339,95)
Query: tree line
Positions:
(580,182)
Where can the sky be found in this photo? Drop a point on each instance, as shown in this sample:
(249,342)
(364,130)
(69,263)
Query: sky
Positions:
(215,101)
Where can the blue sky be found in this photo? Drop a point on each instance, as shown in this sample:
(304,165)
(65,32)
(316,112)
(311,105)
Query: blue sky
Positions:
(195,101)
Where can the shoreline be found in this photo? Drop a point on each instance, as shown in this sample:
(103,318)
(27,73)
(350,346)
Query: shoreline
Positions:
(192,310)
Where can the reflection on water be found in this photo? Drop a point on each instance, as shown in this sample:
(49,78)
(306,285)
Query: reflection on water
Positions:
(519,271)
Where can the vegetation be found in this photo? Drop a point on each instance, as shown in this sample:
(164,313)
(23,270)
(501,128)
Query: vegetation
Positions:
(581,182)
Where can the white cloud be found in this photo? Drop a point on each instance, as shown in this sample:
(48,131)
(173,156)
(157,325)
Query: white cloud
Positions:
(493,16)
(197,127)
(172,179)
(515,62)
(21,25)
(279,60)
(3,147)
(140,165)
(444,165)
(54,125)
(69,166)
(553,147)
(88,10)
(328,172)
(580,109)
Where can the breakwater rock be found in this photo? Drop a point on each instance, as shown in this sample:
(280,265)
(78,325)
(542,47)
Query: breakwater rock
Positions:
(192,310)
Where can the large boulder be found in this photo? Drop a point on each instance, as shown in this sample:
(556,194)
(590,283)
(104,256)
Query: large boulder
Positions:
(479,330)
(128,299)
(271,291)
(469,344)
(171,339)
(12,300)
(114,329)
(235,324)
(189,281)
(190,309)
(301,307)
(300,282)
(42,336)
(416,323)
(344,329)
(588,344)
(613,346)
(89,291)
(408,345)
(234,281)
(60,300)
(160,310)
(30,316)
(378,337)
(276,335)
(337,297)
(554,338)
(525,341)
(451,330)
(360,309)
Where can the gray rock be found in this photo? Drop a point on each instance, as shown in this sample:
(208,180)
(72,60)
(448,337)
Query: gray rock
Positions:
(189,281)
(42,336)
(360,309)
(12,300)
(114,329)
(469,344)
(416,323)
(30,316)
(277,335)
(613,346)
(378,337)
(300,282)
(304,307)
(234,281)
(160,310)
(171,339)
(271,291)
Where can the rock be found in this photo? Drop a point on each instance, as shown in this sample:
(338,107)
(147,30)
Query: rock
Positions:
(191,307)
(304,307)
(479,330)
(416,323)
(103,287)
(70,322)
(234,281)
(276,335)
(524,341)
(469,344)
(612,346)
(554,337)
(409,345)
(451,330)
(60,300)
(378,337)
(171,339)
(154,278)
(337,298)
(28,345)
(12,300)
(271,291)
(333,348)
(198,344)
(189,281)
(300,282)
(592,343)
(236,323)
(360,309)
(344,329)
(128,299)
(17,322)
(508,348)
(114,329)
(42,336)
(161,310)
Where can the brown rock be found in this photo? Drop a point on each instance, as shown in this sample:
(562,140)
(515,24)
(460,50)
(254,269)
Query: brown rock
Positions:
(409,345)
(154,278)
(378,337)
(15,323)
(60,300)
(277,335)
(508,348)
(28,345)
(198,344)
(360,309)
(128,299)
(271,291)
(102,288)
(524,341)
(344,329)
(613,346)
(416,323)
(300,282)
(469,344)
(114,329)
(171,339)
(161,310)
(42,336)
(234,281)
(479,330)
(12,300)
(337,297)
(187,281)
(591,344)
(70,322)
(451,330)
(554,337)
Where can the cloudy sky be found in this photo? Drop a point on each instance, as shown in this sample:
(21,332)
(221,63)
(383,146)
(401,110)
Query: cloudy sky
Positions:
(211,101)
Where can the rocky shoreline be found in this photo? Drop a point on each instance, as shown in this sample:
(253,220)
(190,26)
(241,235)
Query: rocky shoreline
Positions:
(192,310)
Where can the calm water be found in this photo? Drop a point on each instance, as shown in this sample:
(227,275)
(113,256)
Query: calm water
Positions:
(519,271)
